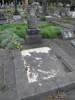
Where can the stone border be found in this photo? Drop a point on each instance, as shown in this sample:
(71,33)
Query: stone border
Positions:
(8,90)
(32,91)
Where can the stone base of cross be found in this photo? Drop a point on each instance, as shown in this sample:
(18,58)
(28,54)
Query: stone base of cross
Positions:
(33,36)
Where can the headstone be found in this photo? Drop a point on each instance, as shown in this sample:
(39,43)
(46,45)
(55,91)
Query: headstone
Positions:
(38,9)
(2,18)
(12,5)
(72,14)
(68,9)
(62,10)
(32,31)
(56,14)
(44,4)
(17,18)
(67,34)
(16,10)
(2,5)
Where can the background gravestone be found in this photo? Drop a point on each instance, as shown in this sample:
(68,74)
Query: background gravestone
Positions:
(16,10)
(37,8)
(67,34)
(2,17)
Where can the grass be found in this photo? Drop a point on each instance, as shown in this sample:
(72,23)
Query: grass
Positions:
(13,35)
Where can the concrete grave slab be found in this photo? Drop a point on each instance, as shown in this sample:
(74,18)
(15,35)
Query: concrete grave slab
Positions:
(7,76)
(40,73)
(73,42)
(67,34)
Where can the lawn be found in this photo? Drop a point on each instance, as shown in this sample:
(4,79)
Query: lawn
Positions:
(13,35)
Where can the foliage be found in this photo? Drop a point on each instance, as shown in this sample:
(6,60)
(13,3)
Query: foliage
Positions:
(18,29)
(12,35)
(49,31)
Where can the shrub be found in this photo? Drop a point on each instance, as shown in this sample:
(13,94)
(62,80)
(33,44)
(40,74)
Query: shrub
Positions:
(48,31)
(12,35)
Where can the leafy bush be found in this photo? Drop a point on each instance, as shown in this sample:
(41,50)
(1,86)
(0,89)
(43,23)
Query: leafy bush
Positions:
(12,35)
(49,31)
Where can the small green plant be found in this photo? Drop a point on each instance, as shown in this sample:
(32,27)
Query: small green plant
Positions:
(49,31)
(8,39)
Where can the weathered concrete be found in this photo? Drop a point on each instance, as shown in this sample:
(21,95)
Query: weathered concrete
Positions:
(33,39)
(41,90)
(8,89)
(34,76)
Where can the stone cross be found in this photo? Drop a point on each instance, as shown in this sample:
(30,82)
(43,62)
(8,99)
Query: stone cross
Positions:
(31,18)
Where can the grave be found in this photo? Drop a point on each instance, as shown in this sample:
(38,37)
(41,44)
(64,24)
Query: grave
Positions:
(38,9)
(67,34)
(2,18)
(40,72)
(33,35)
(63,10)
(16,10)
(16,15)
(17,18)
(72,11)
(73,42)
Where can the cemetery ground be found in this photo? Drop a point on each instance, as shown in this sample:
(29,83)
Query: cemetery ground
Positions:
(11,33)
(55,55)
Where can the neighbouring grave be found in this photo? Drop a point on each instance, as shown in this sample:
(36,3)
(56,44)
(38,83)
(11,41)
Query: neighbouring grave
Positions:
(17,18)
(33,35)
(73,42)
(2,18)
(67,34)
(64,10)
(40,72)
(16,15)
(37,8)
(16,9)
